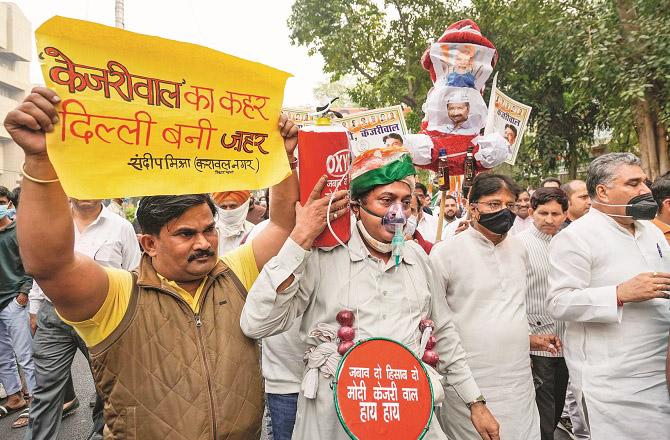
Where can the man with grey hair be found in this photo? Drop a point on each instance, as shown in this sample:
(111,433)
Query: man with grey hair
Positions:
(609,279)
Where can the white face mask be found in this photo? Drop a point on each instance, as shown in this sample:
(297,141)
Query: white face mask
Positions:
(231,221)
(410,226)
(377,245)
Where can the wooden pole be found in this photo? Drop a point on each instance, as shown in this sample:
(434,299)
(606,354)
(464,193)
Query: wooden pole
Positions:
(440,221)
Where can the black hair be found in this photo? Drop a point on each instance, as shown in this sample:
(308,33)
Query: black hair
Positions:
(511,127)
(550,179)
(154,212)
(393,136)
(16,194)
(449,196)
(546,195)
(5,192)
(485,184)
(422,187)
(660,189)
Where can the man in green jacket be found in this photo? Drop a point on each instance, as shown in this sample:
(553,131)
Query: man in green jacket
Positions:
(15,337)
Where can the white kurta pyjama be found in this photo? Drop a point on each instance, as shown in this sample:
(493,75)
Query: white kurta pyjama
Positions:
(387,302)
(616,355)
(486,290)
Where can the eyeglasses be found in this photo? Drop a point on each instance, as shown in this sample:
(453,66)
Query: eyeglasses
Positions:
(496,206)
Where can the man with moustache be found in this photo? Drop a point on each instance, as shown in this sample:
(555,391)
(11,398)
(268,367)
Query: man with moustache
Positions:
(167,350)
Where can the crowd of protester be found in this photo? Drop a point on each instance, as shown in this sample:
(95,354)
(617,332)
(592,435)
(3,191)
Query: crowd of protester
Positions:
(549,305)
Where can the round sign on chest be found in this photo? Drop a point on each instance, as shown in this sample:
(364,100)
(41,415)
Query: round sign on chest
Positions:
(382,391)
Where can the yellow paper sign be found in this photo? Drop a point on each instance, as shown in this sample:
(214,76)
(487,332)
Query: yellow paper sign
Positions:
(143,115)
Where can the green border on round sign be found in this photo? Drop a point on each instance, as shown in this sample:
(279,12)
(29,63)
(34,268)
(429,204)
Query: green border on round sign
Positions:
(337,378)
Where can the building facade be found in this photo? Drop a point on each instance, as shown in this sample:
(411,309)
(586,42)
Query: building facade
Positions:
(15,52)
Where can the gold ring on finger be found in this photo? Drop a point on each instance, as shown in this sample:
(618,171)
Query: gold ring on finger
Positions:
(654,274)
(335,215)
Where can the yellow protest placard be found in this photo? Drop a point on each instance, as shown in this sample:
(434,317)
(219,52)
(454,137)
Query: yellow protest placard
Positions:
(143,115)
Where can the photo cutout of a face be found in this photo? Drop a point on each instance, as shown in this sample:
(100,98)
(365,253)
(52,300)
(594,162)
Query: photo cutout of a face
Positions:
(458,112)
(455,110)
(462,64)
(510,134)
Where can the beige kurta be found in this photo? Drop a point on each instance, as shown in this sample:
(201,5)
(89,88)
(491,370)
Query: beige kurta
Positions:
(486,290)
(387,302)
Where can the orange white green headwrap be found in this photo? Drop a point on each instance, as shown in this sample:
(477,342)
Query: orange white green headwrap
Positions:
(381,166)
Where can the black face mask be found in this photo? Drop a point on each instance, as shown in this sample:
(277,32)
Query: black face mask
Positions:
(642,207)
(499,222)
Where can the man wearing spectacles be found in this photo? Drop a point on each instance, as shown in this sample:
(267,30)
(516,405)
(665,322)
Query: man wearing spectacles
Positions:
(483,272)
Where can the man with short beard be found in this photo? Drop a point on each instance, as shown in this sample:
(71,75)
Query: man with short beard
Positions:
(523,220)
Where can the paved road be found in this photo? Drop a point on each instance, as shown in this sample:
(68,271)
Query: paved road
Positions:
(78,426)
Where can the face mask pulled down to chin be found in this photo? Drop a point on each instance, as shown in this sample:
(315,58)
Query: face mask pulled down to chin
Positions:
(642,207)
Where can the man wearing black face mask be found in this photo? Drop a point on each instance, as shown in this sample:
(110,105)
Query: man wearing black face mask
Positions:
(609,280)
(484,273)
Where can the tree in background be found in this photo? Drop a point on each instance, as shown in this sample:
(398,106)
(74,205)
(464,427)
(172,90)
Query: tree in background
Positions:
(585,66)
(378,43)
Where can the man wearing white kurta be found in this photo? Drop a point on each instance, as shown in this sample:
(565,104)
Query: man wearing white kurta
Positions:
(389,298)
(484,274)
(609,281)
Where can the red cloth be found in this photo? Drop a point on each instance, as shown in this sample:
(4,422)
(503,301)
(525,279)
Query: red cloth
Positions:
(456,144)
(426,245)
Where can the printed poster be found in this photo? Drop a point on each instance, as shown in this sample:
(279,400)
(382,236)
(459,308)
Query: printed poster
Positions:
(367,129)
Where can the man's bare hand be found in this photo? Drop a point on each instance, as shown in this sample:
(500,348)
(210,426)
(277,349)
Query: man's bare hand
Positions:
(548,343)
(310,218)
(289,131)
(33,323)
(462,226)
(28,122)
(486,425)
(645,286)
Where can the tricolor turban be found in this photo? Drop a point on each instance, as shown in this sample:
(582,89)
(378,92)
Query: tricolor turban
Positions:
(236,196)
(381,166)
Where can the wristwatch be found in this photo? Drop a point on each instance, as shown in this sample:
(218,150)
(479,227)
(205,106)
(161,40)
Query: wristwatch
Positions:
(477,400)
